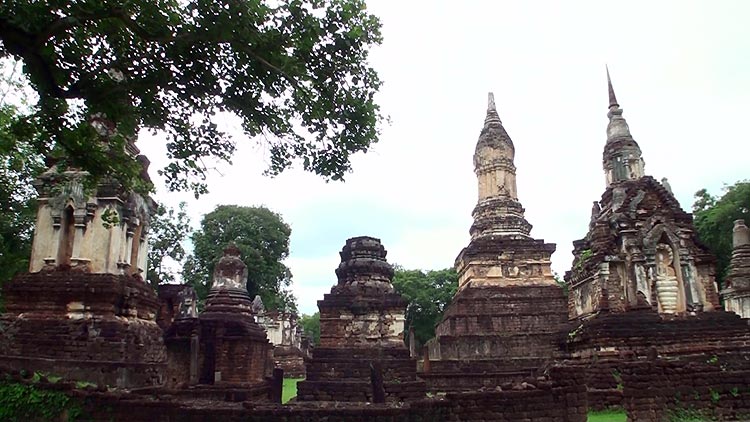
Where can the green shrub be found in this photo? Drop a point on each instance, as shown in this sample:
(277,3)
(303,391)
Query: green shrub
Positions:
(25,403)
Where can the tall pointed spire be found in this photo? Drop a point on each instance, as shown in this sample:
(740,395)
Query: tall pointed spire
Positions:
(492,115)
(498,212)
(612,98)
(622,157)
(618,127)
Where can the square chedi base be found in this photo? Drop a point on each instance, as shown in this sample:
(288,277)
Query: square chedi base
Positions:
(361,353)
(94,327)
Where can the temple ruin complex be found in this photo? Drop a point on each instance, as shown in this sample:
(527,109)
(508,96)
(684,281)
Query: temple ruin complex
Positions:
(639,326)
(290,345)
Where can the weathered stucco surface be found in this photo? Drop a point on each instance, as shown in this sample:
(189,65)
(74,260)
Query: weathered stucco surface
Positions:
(103,232)
(641,249)
(736,293)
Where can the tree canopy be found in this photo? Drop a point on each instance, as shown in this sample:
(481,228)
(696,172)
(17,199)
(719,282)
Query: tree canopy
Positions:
(428,294)
(19,165)
(263,240)
(168,229)
(311,326)
(714,219)
(296,73)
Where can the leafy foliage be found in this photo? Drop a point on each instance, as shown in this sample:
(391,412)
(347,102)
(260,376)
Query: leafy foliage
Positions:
(263,240)
(20,163)
(311,326)
(428,294)
(26,402)
(295,73)
(714,220)
(169,228)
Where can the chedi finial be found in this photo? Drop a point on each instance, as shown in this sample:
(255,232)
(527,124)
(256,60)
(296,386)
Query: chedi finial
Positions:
(491,110)
(612,98)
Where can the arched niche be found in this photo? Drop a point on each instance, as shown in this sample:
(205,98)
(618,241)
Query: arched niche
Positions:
(66,237)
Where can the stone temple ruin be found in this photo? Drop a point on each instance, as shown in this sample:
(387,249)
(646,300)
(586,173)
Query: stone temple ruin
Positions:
(361,329)
(640,325)
(505,320)
(223,345)
(641,250)
(641,283)
(83,310)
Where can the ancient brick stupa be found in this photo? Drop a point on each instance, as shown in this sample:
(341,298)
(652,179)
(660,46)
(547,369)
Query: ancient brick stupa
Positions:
(223,346)
(641,249)
(736,293)
(84,310)
(361,356)
(506,315)
(641,283)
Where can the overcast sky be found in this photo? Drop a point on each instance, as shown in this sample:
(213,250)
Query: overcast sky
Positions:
(681,71)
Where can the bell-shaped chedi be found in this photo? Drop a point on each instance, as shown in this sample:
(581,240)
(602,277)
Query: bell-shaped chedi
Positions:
(361,356)
(223,346)
(736,293)
(498,211)
(84,311)
(501,252)
(505,319)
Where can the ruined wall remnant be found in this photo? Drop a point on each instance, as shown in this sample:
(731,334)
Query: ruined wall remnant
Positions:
(361,329)
(713,389)
(285,333)
(736,293)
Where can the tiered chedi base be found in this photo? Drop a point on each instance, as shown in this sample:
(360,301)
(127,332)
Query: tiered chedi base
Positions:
(638,333)
(505,321)
(608,342)
(344,374)
(495,334)
(95,327)
(362,354)
(509,322)
(352,331)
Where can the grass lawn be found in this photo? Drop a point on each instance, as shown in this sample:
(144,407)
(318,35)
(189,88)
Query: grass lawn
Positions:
(613,415)
(289,389)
